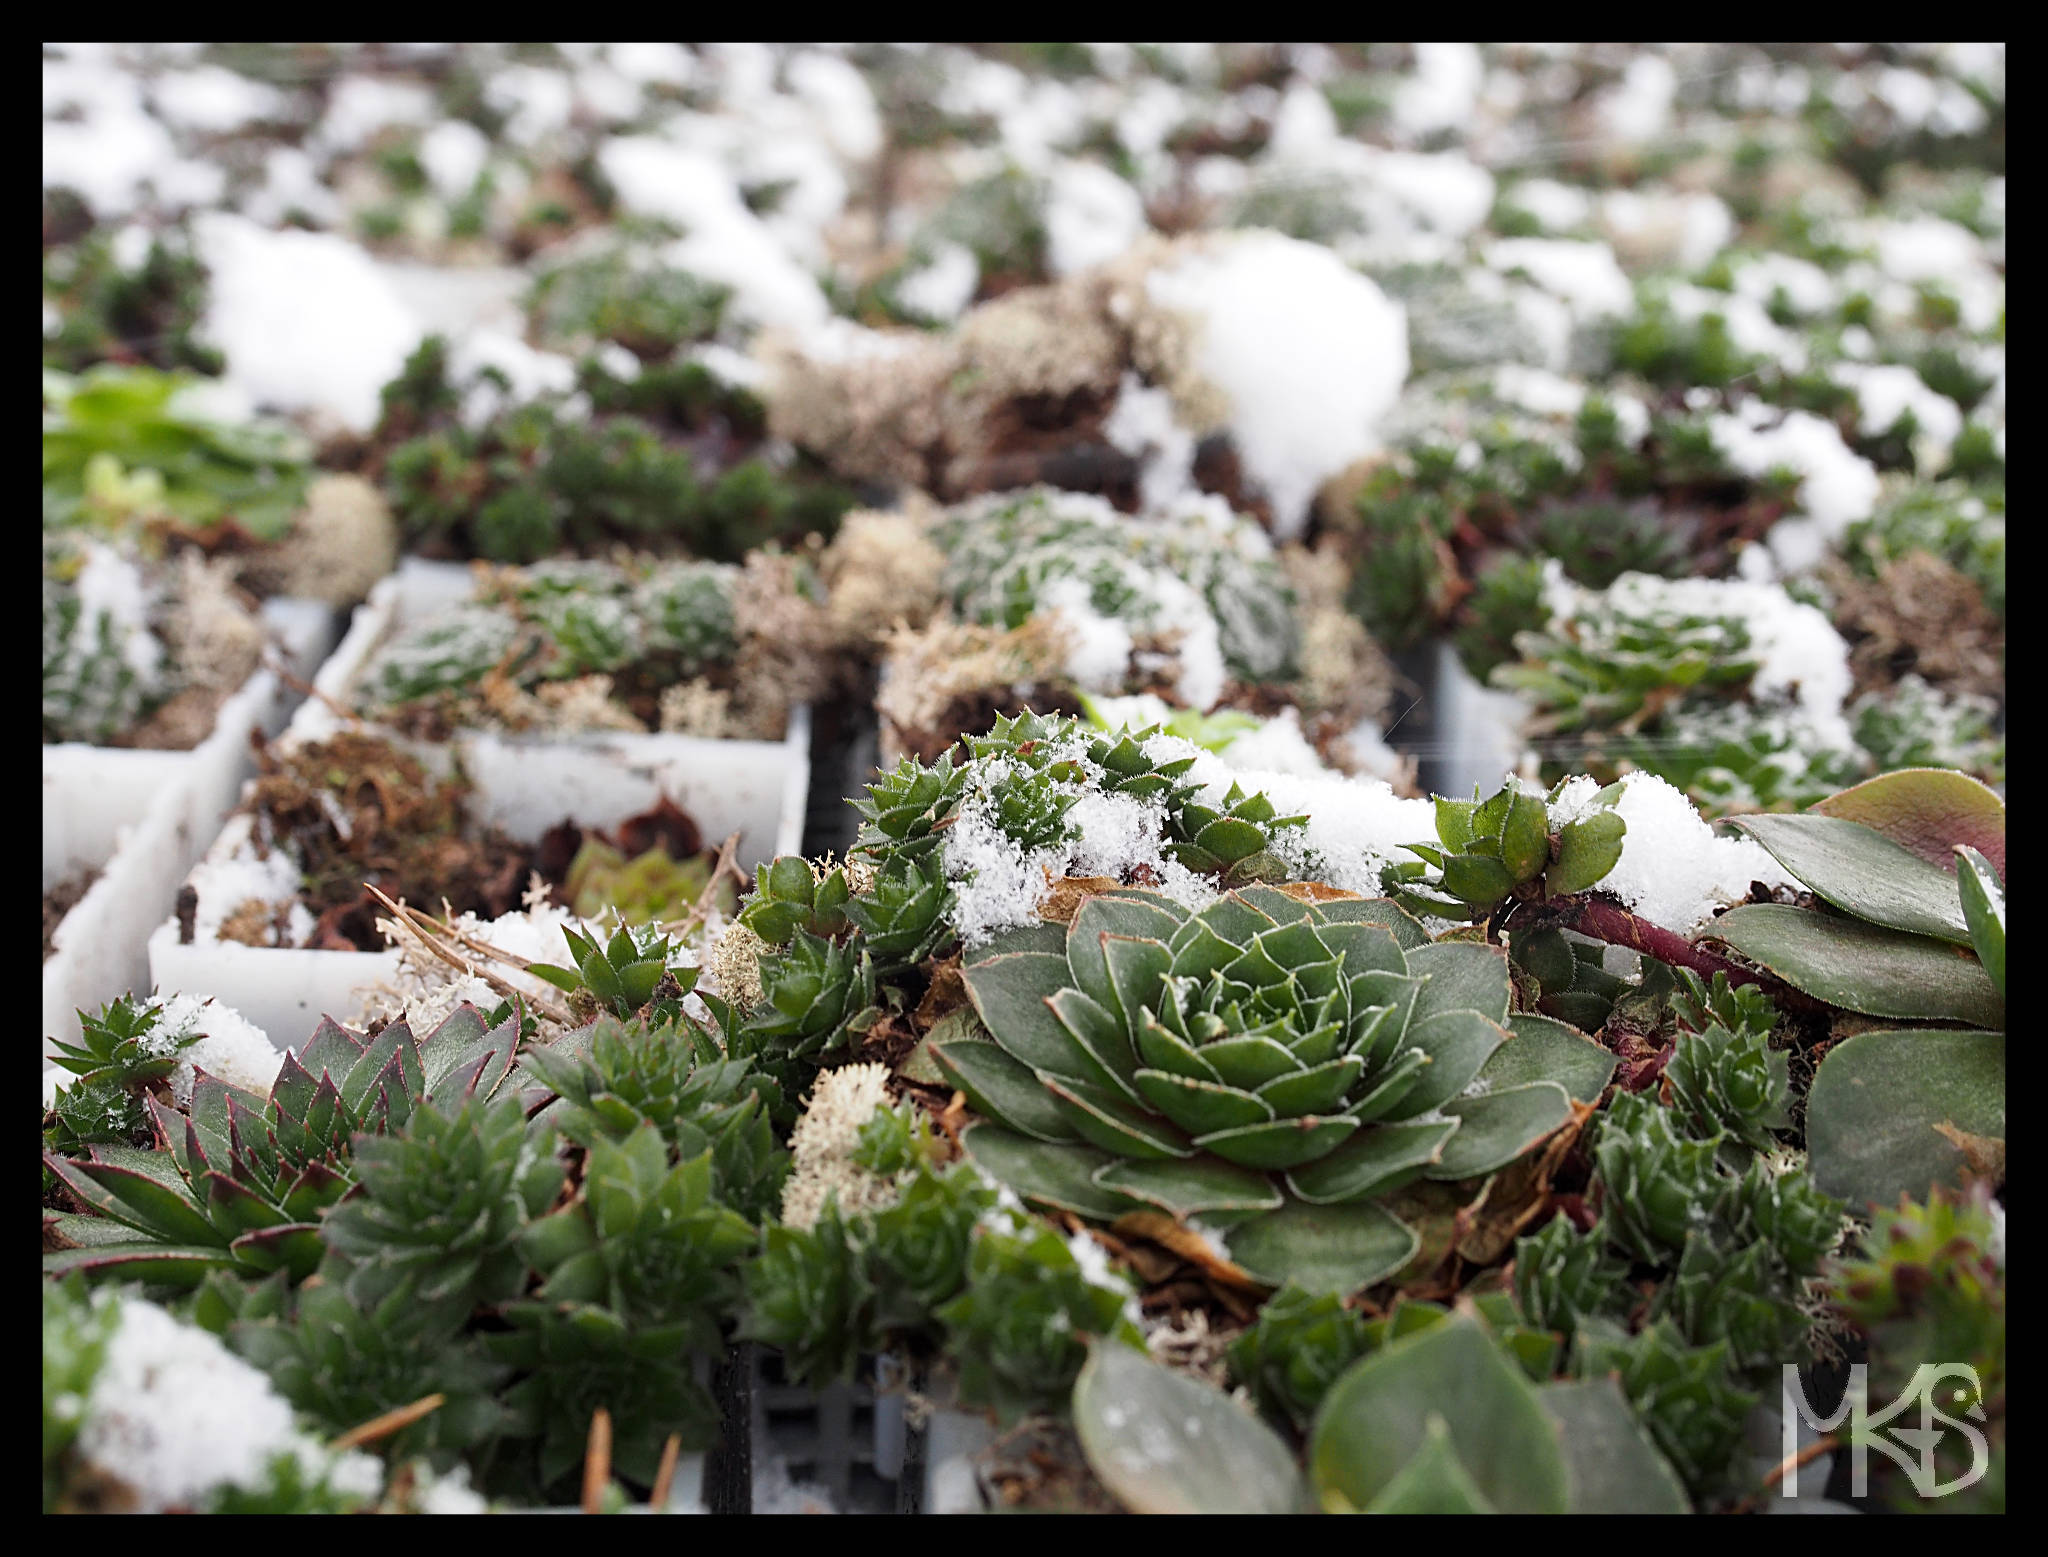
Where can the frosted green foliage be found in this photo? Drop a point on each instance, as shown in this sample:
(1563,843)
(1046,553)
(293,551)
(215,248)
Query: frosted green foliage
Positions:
(1961,526)
(75,1333)
(447,654)
(590,633)
(1200,573)
(1603,666)
(103,667)
(1914,725)
(1731,758)
(649,308)
(686,610)
(562,619)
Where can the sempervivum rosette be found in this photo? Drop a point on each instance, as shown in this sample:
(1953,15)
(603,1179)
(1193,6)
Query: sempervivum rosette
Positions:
(1267,1065)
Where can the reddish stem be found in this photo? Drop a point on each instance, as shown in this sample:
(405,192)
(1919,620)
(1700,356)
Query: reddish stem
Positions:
(1618,927)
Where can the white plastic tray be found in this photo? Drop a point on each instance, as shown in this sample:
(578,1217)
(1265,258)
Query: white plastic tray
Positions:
(525,785)
(142,818)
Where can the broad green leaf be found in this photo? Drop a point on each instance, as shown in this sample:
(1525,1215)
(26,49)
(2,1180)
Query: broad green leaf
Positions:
(1183,1189)
(1463,976)
(1891,1113)
(1927,810)
(1458,1043)
(1002,1087)
(1544,1049)
(1454,822)
(1586,851)
(1165,1443)
(1375,1420)
(1497,1127)
(1053,1175)
(1009,994)
(1323,1248)
(1476,879)
(1861,967)
(1612,1466)
(1984,907)
(1864,873)
(164,1264)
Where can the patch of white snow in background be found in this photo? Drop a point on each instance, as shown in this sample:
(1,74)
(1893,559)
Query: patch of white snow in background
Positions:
(118,153)
(1557,207)
(225,882)
(359,106)
(453,153)
(1801,659)
(1807,288)
(1142,424)
(213,100)
(113,591)
(942,290)
(1683,230)
(724,240)
(728,365)
(1837,486)
(1091,216)
(1533,389)
(1886,391)
(175,1416)
(532,373)
(666,64)
(1310,353)
(839,96)
(1585,274)
(1750,328)
(1445,191)
(1277,746)
(1639,107)
(1674,870)
(290,183)
(1441,91)
(306,320)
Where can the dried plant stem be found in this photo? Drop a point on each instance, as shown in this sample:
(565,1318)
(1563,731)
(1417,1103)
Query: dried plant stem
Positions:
(665,1473)
(390,1422)
(597,1461)
(429,931)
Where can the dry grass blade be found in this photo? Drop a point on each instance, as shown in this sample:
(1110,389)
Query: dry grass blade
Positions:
(390,1422)
(429,932)
(597,1461)
(665,1473)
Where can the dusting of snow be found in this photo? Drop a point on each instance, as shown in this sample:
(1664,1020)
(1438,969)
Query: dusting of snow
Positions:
(1585,275)
(1310,354)
(1675,870)
(1837,487)
(175,1417)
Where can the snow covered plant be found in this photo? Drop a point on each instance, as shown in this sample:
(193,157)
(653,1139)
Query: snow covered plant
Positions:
(1189,596)
(699,648)
(143,1413)
(1734,691)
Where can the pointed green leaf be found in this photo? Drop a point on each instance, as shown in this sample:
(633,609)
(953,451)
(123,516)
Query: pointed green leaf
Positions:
(1984,908)
(1525,837)
(1498,1126)
(1282,1144)
(1378,1158)
(1002,1088)
(1434,1482)
(1476,879)
(1454,822)
(1612,1466)
(1545,1050)
(1200,1106)
(1110,1123)
(1322,1248)
(1463,976)
(1458,1043)
(1376,1419)
(1183,1189)
(1059,1176)
(1010,993)
(1318,1090)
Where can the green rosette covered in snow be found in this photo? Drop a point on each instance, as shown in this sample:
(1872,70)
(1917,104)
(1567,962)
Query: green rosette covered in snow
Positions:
(1268,1067)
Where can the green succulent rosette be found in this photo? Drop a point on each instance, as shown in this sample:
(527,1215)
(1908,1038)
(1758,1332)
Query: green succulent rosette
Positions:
(1268,1066)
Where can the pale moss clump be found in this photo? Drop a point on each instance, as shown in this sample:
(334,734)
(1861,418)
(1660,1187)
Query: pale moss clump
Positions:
(341,542)
(734,966)
(881,569)
(823,1145)
(930,670)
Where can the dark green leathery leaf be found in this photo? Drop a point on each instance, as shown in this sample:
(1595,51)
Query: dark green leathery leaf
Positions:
(1054,1175)
(1893,1113)
(1983,896)
(1864,873)
(1861,967)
